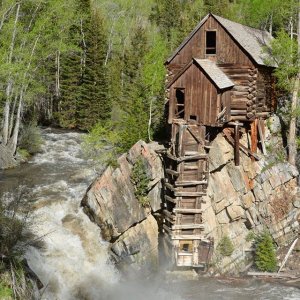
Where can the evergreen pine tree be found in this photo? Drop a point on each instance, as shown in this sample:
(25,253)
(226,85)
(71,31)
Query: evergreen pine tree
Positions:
(135,106)
(93,105)
(265,256)
(69,92)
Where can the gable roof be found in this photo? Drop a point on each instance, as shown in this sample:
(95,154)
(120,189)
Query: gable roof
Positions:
(250,39)
(210,69)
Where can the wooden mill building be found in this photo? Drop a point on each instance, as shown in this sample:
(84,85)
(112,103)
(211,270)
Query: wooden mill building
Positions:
(218,80)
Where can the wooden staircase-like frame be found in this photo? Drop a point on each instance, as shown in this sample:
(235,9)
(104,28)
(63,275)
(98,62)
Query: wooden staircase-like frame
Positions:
(186,182)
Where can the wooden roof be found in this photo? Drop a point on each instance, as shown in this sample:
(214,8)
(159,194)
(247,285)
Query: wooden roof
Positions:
(211,70)
(250,39)
(214,73)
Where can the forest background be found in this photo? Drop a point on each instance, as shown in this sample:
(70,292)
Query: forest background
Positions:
(98,65)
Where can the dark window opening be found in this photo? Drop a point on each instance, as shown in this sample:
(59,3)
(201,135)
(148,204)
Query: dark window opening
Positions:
(179,113)
(185,247)
(193,118)
(211,42)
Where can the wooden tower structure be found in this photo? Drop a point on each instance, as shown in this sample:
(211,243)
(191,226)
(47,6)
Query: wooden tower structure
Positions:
(218,81)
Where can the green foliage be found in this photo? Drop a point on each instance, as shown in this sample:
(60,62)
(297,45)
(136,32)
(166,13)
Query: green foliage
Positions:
(141,180)
(265,255)
(176,18)
(83,99)
(225,246)
(298,142)
(250,236)
(14,222)
(285,54)
(102,144)
(23,153)
(6,292)
(30,139)
(15,237)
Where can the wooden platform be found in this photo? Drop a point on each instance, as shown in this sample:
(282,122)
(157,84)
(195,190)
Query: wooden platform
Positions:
(186,180)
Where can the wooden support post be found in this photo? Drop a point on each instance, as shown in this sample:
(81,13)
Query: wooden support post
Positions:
(254,137)
(237,144)
(262,137)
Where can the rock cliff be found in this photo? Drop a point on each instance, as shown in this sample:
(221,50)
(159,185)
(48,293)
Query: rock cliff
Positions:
(127,224)
(253,196)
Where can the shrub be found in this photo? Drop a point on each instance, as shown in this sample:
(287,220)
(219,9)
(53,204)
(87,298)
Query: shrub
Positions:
(23,154)
(225,246)
(5,291)
(30,139)
(102,144)
(265,255)
(14,239)
(250,236)
(140,179)
(14,223)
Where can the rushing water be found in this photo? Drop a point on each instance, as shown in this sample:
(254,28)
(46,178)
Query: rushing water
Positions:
(73,262)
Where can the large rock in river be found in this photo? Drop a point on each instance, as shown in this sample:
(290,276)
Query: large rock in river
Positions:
(127,224)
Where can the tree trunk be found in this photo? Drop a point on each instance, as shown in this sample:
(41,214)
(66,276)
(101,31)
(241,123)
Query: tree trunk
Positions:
(83,62)
(57,74)
(6,114)
(292,146)
(13,141)
(12,115)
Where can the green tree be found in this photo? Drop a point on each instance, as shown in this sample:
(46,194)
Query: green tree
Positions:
(93,104)
(31,31)
(265,256)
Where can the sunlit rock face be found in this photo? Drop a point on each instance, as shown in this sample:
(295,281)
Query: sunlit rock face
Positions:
(128,225)
(256,195)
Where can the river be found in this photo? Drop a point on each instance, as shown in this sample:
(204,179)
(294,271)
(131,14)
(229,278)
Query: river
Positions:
(73,262)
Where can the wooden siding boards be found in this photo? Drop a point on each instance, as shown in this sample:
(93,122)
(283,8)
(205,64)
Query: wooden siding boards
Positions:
(243,44)
(238,55)
(201,95)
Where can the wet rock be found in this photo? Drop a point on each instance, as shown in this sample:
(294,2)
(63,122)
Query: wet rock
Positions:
(110,200)
(128,225)
(137,248)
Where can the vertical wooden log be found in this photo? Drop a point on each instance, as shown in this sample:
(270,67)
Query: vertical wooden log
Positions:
(237,144)
(254,137)
(262,136)
(195,252)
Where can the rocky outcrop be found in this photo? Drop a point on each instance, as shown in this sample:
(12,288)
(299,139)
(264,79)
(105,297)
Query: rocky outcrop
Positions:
(127,224)
(253,196)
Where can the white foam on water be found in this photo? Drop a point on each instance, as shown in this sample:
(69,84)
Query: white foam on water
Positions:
(73,260)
